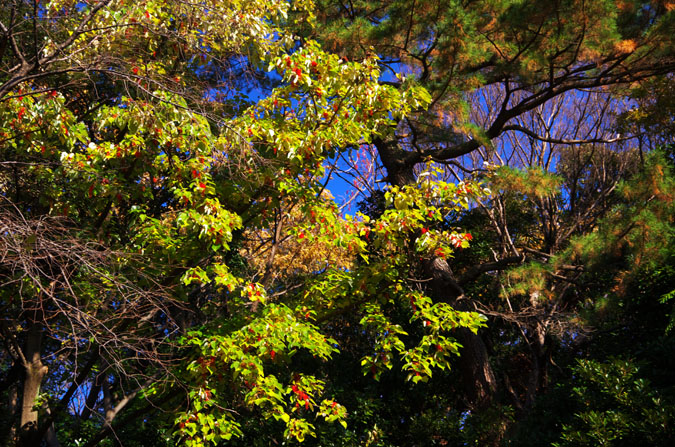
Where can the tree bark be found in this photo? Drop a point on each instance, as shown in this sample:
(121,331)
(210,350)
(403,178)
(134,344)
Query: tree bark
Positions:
(35,371)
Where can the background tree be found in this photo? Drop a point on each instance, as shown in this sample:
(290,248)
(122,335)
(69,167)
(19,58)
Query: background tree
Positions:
(536,88)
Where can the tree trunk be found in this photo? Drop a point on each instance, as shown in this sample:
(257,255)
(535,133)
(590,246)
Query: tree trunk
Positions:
(108,406)
(92,398)
(539,373)
(399,173)
(35,372)
(477,374)
(50,437)
(12,409)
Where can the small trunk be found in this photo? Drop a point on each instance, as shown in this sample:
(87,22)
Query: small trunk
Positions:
(12,409)
(50,434)
(108,406)
(92,398)
(539,373)
(10,384)
(35,372)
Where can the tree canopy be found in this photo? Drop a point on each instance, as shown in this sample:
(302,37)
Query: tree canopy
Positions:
(176,271)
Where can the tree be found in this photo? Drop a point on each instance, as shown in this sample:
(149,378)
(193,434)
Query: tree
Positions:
(131,175)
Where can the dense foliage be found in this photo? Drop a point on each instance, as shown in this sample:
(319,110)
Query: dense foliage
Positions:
(175,271)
